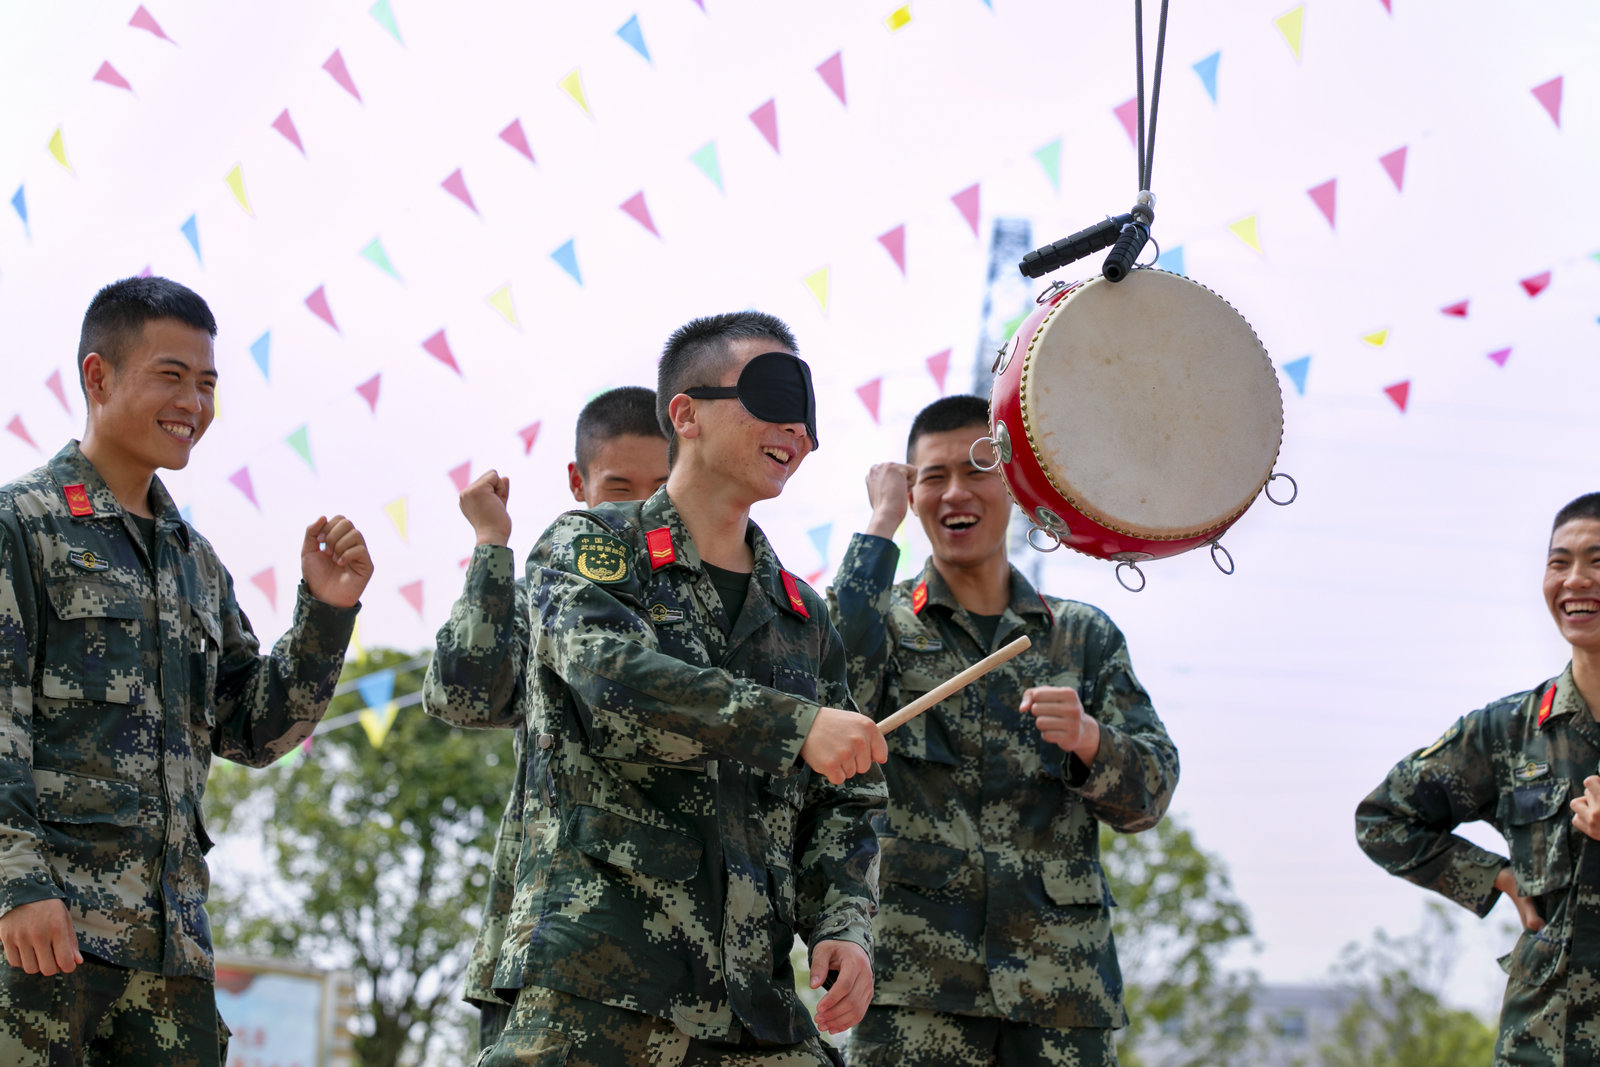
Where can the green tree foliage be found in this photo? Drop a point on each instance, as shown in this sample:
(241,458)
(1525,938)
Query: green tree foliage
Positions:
(1397,1018)
(1176,917)
(379,861)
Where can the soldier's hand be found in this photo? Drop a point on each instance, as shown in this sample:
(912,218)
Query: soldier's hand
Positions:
(484,504)
(39,938)
(889,491)
(1506,882)
(1586,809)
(1061,720)
(843,744)
(848,998)
(335,562)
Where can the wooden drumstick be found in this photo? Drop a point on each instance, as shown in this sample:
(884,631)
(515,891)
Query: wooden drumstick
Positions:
(960,681)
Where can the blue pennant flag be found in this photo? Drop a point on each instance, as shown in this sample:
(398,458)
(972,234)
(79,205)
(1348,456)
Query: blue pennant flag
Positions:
(261,352)
(191,230)
(1171,259)
(20,202)
(1296,370)
(567,256)
(820,536)
(377,688)
(1207,69)
(631,33)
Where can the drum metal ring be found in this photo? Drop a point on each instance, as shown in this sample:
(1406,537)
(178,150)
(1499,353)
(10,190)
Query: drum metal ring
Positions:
(1050,290)
(1292,484)
(1216,546)
(1055,538)
(1002,442)
(1154,258)
(973,449)
(1123,581)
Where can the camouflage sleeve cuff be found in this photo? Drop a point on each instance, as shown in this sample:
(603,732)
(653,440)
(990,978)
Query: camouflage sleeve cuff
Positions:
(857,932)
(1475,870)
(870,561)
(493,563)
(26,888)
(321,628)
(1129,784)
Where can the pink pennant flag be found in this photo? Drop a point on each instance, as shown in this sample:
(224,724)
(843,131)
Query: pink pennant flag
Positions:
(16,427)
(766,119)
(369,391)
(53,383)
(318,303)
(1395,164)
(966,201)
(108,74)
(815,576)
(241,481)
(1537,284)
(267,582)
(1458,309)
(870,395)
(1400,393)
(143,20)
(529,434)
(1499,356)
(894,242)
(341,74)
(640,212)
(412,592)
(461,475)
(146,272)
(456,186)
(1127,113)
(285,125)
(1323,196)
(1549,94)
(939,367)
(832,71)
(439,349)
(513,136)
(1388,5)
(701,4)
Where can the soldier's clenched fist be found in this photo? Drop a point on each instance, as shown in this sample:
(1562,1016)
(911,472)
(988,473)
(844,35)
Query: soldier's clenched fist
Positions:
(843,744)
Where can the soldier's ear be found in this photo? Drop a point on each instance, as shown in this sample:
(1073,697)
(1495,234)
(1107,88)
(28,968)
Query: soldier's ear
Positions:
(98,376)
(685,418)
(575,483)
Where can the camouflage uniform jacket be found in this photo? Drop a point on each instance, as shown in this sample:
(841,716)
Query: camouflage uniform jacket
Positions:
(1504,766)
(476,679)
(994,901)
(682,845)
(120,676)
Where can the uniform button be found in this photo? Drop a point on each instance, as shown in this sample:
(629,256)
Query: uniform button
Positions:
(546,740)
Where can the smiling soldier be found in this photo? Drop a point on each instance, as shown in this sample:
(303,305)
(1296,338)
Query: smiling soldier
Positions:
(700,791)
(994,939)
(125,665)
(1523,765)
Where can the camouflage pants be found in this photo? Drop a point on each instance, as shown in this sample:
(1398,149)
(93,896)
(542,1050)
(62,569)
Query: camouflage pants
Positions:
(492,1018)
(549,1028)
(892,1036)
(106,1016)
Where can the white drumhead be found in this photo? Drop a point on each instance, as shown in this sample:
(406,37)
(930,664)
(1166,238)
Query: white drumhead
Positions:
(1152,405)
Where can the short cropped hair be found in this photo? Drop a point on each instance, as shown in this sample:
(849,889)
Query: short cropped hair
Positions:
(630,409)
(698,353)
(117,314)
(1586,506)
(948,413)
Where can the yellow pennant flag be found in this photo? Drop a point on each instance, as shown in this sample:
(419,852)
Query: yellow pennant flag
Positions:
(573,84)
(396,510)
(1377,338)
(377,723)
(500,300)
(235,182)
(898,17)
(58,148)
(355,642)
(817,282)
(1245,230)
(1290,26)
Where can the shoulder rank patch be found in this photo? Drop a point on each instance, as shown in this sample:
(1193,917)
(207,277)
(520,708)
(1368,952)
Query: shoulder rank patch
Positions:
(78,505)
(1448,736)
(921,642)
(601,558)
(660,613)
(1546,704)
(1527,772)
(662,553)
(792,587)
(919,598)
(86,560)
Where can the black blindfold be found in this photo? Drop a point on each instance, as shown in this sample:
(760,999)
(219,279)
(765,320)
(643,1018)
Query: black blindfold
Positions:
(773,387)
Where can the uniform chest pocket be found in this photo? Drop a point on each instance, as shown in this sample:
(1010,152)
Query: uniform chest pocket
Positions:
(1539,833)
(925,737)
(204,633)
(796,683)
(93,647)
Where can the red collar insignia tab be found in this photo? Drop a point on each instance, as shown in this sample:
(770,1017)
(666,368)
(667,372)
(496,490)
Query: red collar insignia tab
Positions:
(919,598)
(662,553)
(77,501)
(1546,704)
(792,587)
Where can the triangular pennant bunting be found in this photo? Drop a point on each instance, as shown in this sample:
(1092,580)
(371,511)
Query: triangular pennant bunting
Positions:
(1549,96)
(572,85)
(56,387)
(412,593)
(1291,25)
(373,253)
(529,434)
(705,157)
(300,441)
(1499,356)
(396,510)
(1400,393)
(1245,230)
(894,242)
(1323,196)
(966,202)
(235,180)
(456,186)
(369,391)
(817,283)
(267,582)
(1207,69)
(460,475)
(639,211)
(1297,369)
(438,347)
(191,233)
(20,431)
(500,300)
(567,257)
(765,118)
(385,16)
(513,136)
(832,72)
(1394,165)
(1459,309)
(261,352)
(336,69)
(631,32)
(285,125)
(1049,158)
(143,20)
(871,395)
(108,75)
(318,303)
(939,367)
(240,480)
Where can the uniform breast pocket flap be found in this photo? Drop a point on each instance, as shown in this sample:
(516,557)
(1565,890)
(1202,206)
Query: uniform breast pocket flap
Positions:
(1074,883)
(919,863)
(1535,803)
(93,647)
(64,797)
(796,683)
(619,841)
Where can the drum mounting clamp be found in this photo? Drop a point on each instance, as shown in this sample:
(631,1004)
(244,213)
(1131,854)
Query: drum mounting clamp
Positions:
(1001,440)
